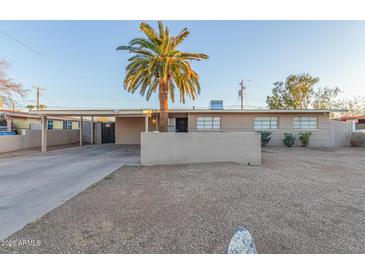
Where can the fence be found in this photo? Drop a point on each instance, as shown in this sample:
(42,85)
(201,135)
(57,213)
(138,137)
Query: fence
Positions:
(195,147)
(32,138)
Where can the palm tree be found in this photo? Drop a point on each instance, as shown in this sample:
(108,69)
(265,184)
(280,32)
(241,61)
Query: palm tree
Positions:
(157,64)
(30,107)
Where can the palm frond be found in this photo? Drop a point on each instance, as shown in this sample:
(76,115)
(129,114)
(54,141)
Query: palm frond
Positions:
(149,31)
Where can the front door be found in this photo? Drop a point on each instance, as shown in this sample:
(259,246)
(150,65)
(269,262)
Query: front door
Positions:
(181,125)
(107,133)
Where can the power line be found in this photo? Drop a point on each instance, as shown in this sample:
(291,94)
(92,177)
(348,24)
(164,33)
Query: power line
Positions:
(21,43)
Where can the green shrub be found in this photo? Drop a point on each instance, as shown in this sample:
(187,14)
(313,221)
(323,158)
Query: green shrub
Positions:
(304,138)
(265,137)
(289,139)
(358,139)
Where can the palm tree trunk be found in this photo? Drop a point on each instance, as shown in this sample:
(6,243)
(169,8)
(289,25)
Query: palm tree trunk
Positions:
(164,107)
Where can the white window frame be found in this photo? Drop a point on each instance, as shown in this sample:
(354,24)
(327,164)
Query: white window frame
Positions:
(305,122)
(208,122)
(258,125)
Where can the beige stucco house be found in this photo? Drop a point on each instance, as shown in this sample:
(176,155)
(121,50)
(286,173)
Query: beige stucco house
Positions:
(130,123)
(278,122)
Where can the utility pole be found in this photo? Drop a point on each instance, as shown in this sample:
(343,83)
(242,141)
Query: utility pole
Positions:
(38,95)
(241,92)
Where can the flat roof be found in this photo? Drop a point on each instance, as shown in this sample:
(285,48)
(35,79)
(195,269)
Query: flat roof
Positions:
(20,114)
(144,112)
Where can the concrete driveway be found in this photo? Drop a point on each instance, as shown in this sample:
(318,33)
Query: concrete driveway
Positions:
(32,185)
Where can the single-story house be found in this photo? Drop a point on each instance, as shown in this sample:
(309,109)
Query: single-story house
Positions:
(17,120)
(130,123)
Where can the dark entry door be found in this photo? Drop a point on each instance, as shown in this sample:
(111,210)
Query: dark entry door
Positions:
(181,124)
(107,133)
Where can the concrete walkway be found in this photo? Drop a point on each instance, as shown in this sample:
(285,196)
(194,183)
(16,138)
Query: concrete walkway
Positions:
(32,185)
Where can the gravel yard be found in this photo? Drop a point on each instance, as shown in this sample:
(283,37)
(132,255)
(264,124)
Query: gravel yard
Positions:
(300,200)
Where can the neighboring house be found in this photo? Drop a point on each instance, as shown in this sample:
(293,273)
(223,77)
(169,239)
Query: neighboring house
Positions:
(358,122)
(24,120)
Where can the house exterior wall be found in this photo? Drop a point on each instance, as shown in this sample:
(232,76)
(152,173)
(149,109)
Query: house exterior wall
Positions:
(196,147)
(128,129)
(245,122)
(24,123)
(97,130)
(327,133)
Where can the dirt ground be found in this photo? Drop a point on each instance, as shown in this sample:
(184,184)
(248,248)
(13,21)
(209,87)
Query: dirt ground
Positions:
(300,200)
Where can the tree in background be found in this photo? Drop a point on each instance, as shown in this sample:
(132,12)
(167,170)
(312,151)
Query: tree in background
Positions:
(325,98)
(9,90)
(30,107)
(295,93)
(354,106)
(42,106)
(158,64)
(299,92)
(280,98)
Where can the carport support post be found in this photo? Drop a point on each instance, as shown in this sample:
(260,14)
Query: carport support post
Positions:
(146,123)
(8,123)
(92,130)
(44,133)
(81,129)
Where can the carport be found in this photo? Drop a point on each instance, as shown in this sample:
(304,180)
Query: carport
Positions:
(148,115)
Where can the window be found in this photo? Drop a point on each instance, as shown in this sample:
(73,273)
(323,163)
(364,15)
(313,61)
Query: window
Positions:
(360,124)
(266,122)
(67,124)
(208,122)
(50,124)
(305,122)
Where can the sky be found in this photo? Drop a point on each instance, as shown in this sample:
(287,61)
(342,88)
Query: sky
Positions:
(78,65)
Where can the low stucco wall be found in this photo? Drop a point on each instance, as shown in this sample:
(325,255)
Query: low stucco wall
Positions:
(32,138)
(200,147)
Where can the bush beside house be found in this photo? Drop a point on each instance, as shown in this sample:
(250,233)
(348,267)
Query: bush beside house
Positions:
(265,137)
(358,139)
(289,139)
(304,138)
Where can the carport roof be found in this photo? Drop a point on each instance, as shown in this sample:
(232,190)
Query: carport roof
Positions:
(94,112)
(146,112)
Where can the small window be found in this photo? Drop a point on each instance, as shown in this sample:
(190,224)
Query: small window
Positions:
(305,122)
(67,124)
(266,123)
(50,124)
(208,122)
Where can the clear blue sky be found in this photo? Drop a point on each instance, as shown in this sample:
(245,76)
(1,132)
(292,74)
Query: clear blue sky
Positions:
(79,66)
